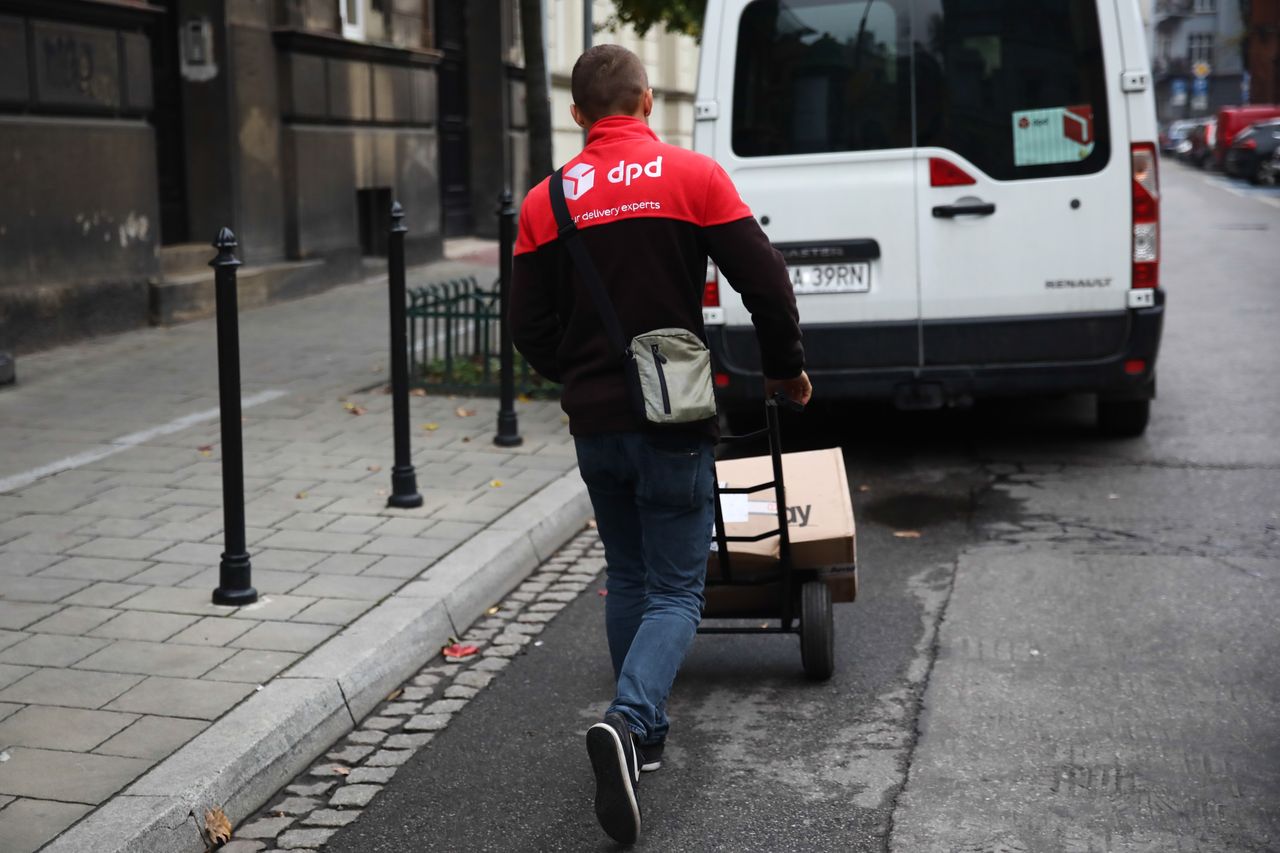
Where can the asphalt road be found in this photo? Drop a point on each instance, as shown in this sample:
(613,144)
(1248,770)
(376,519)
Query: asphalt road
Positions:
(1076,654)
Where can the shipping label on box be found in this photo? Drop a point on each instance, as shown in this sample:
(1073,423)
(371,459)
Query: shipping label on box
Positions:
(819,511)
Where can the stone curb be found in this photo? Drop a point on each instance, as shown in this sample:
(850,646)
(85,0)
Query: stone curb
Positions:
(243,758)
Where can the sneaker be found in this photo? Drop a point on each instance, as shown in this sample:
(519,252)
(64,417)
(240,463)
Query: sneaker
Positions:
(651,756)
(613,758)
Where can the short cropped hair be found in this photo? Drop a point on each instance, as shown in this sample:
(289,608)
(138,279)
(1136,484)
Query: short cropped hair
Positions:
(608,80)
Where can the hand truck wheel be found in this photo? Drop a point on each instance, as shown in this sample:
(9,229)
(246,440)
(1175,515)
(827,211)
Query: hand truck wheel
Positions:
(817,631)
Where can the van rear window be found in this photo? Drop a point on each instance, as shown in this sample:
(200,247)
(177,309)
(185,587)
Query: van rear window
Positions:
(818,75)
(1015,86)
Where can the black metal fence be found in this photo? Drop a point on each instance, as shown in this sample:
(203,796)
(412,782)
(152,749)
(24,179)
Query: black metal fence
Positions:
(454,341)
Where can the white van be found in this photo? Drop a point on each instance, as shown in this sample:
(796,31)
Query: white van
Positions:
(965,191)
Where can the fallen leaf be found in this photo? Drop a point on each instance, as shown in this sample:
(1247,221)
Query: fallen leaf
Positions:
(591,523)
(395,694)
(418,392)
(495,484)
(464,413)
(431,427)
(206,452)
(300,495)
(602,592)
(341,771)
(217,825)
(907,534)
(564,419)
(523,398)
(375,468)
(356,410)
(494,609)
(466,438)
(457,651)
(205,448)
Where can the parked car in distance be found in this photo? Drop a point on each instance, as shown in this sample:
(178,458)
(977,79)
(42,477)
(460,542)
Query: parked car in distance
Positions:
(1232,120)
(1174,136)
(1202,138)
(1252,147)
(1269,173)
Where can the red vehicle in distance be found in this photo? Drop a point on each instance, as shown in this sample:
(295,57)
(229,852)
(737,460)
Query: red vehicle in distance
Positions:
(1232,120)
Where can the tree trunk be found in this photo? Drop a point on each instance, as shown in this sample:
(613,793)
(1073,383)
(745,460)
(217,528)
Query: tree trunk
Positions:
(537,96)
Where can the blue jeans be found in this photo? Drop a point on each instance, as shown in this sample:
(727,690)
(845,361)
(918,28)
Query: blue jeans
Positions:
(653,498)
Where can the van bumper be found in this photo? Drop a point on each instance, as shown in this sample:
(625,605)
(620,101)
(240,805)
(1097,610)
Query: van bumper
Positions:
(1112,355)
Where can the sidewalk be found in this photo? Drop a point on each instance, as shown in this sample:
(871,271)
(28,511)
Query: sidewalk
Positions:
(117,674)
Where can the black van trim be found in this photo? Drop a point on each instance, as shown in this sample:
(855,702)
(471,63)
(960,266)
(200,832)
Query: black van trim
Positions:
(874,377)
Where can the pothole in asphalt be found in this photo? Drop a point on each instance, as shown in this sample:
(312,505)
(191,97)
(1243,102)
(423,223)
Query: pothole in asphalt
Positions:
(916,510)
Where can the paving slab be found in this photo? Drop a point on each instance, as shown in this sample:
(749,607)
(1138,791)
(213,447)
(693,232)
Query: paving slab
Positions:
(94,569)
(68,688)
(52,650)
(168,659)
(132,625)
(40,589)
(252,666)
(75,620)
(181,697)
(20,614)
(152,737)
(284,636)
(75,729)
(25,825)
(77,777)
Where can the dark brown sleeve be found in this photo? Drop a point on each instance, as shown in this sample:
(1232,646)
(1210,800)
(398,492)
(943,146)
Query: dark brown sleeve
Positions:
(751,266)
(535,325)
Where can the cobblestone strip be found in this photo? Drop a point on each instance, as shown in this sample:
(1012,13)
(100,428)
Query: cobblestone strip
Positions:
(334,791)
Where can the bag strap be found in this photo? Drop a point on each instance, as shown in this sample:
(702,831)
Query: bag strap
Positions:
(572,240)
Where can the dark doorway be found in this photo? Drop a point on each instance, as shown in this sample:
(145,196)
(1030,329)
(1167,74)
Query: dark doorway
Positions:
(455,166)
(374,212)
(170,143)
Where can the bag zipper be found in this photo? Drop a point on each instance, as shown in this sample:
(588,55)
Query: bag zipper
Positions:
(659,359)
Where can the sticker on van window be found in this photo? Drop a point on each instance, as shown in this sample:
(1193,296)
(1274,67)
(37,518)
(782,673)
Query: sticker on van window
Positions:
(1053,135)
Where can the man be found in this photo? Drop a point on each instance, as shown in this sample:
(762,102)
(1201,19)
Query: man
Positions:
(649,216)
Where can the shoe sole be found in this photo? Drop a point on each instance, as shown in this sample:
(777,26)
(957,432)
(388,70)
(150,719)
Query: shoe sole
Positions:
(616,806)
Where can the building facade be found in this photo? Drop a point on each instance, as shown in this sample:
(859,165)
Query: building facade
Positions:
(1187,34)
(131,131)
(1264,51)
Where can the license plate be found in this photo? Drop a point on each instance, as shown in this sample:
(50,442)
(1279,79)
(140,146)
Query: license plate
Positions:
(831,278)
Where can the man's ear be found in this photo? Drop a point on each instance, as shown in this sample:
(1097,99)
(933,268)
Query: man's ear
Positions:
(578,117)
(648,102)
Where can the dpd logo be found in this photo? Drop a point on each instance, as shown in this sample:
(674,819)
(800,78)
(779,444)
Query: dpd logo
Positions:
(579,180)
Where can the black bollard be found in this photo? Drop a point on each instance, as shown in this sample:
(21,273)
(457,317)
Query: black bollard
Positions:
(235,575)
(508,425)
(404,481)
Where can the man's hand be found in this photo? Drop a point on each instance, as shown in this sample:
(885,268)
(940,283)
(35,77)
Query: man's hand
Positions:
(798,390)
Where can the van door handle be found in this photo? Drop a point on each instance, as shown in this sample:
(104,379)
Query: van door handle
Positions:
(950,211)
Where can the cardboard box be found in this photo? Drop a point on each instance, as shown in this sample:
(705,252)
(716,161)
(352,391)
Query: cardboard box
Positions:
(820,524)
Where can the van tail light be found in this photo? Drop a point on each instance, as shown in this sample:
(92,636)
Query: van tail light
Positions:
(1146,216)
(1250,144)
(712,313)
(711,290)
(944,173)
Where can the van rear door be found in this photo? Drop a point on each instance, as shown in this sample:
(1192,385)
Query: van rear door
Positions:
(812,120)
(1023,182)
